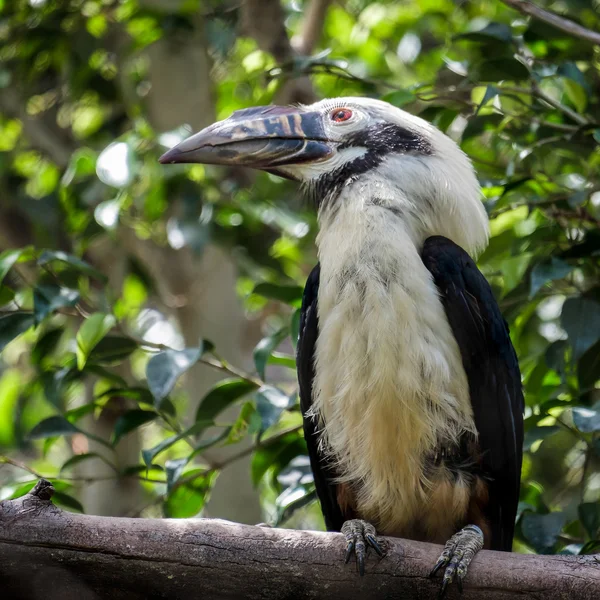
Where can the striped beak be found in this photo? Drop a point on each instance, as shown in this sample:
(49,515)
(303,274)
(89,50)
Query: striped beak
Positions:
(266,137)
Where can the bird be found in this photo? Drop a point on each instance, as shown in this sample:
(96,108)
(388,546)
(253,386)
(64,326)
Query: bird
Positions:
(409,384)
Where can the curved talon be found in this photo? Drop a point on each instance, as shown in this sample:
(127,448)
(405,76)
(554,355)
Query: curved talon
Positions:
(443,589)
(456,557)
(438,565)
(349,549)
(359,536)
(374,544)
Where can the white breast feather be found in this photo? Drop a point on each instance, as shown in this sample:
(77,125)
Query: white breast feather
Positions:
(389,383)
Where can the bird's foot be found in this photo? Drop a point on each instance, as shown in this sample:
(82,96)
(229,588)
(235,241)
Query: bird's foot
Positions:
(457,556)
(359,535)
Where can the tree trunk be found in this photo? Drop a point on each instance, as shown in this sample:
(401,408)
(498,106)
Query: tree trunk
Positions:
(49,553)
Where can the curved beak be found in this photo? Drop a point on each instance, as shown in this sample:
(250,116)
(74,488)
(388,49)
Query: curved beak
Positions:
(266,137)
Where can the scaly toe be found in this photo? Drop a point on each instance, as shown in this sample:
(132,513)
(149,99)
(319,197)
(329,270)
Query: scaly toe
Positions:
(456,557)
(359,535)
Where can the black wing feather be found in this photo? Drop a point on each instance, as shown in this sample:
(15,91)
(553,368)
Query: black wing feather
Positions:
(493,373)
(323,472)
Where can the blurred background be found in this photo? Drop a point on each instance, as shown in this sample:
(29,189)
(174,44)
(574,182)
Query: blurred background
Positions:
(148,313)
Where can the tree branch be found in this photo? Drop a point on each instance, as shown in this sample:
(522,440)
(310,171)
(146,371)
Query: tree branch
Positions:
(49,553)
(264,20)
(312,26)
(566,25)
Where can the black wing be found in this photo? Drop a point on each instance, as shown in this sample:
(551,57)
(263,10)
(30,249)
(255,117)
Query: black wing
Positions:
(492,369)
(323,473)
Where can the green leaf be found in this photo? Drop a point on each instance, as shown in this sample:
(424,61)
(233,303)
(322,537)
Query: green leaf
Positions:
(265,347)
(571,71)
(283,360)
(51,297)
(141,395)
(150,454)
(589,514)
(399,98)
(54,384)
(580,318)
(110,376)
(76,459)
(301,499)
(92,330)
(45,345)
(499,69)
(22,490)
(221,396)
(247,423)
(48,257)
(6,295)
(13,325)
(9,257)
(211,441)
(174,469)
(142,469)
(555,356)
(290,294)
(276,454)
(537,433)
(74,414)
(542,531)
(586,420)
(591,547)
(491,32)
(490,92)
(576,94)
(588,368)
(130,420)
(270,404)
(165,368)
(549,269)
(112,349)
(187,499)
(67,501)
(52,427)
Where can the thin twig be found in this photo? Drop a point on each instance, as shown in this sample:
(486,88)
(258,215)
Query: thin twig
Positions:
(546,16)
(250,449)
(559,106)
(19,465)
(82,478)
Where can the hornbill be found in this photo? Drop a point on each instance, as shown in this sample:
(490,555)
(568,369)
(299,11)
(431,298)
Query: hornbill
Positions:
(409,384)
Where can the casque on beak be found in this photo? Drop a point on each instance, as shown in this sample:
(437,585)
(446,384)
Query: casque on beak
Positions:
(265,137)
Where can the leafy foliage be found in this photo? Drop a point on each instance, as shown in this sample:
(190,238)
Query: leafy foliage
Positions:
(79,167)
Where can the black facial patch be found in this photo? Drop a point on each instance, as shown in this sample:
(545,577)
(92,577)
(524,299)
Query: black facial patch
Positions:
(385,138)
(379,140)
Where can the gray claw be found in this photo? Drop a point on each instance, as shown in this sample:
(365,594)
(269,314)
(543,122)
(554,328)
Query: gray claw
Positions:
(458,553)
(359,536)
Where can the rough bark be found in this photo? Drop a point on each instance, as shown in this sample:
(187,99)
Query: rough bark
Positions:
(46,552)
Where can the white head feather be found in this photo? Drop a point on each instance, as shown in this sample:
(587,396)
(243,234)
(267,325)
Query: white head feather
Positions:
(437,192)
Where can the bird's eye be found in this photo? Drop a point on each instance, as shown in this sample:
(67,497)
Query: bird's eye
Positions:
(339,115)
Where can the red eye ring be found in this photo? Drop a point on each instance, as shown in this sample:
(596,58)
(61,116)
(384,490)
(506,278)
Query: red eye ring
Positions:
(339,115)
